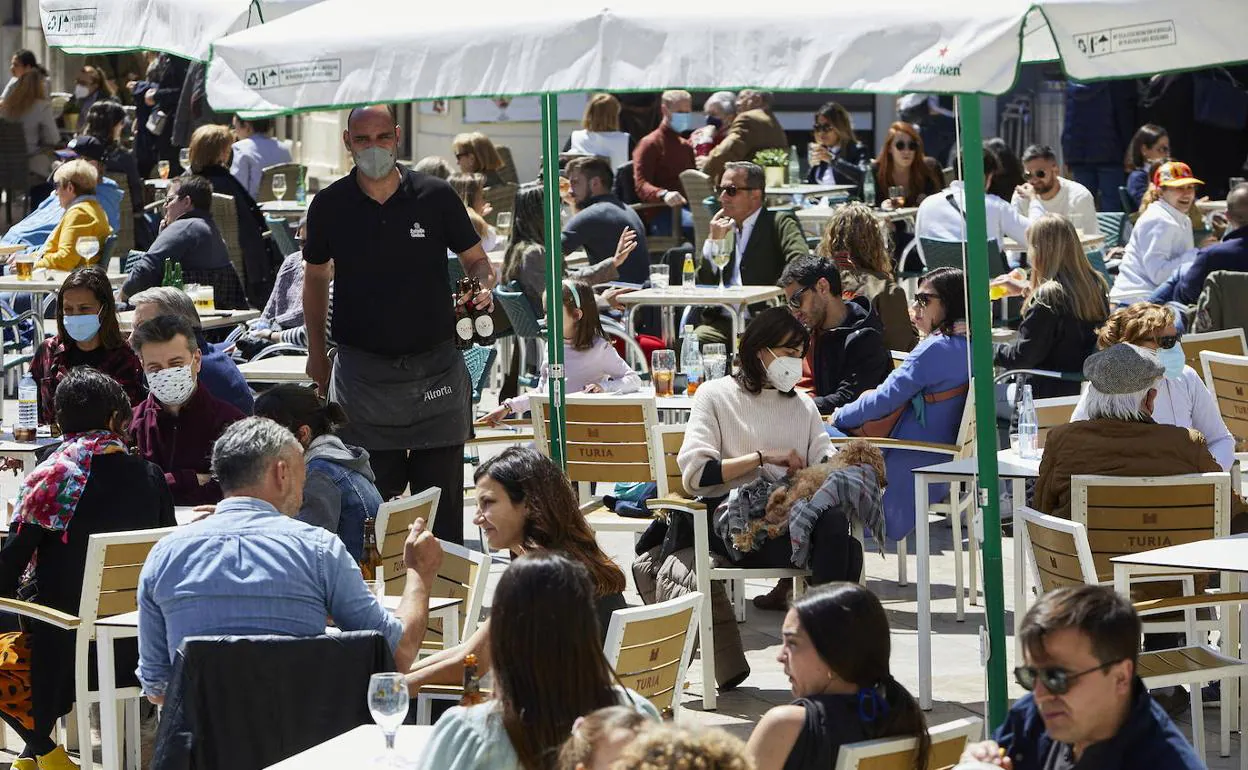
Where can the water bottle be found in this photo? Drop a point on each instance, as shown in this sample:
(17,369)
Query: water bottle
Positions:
(27,409)
(868,183)
(795,166)
(691,360)
(687,273)
(1028,426)
(301,192)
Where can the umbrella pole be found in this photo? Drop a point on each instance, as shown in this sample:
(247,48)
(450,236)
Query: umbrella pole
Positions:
(985,403)
(554,275)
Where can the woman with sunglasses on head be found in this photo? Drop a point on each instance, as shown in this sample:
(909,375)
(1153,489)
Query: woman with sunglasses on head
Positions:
(836,154)
(1149,146)
(835,652)
(923,398)
(1064,301)
(1182,398)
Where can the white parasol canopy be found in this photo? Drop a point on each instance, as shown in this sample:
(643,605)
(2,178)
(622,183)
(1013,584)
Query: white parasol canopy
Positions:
(346,52)
(182,27)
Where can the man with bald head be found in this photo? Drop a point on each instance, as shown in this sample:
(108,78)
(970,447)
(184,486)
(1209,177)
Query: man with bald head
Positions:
(382,233)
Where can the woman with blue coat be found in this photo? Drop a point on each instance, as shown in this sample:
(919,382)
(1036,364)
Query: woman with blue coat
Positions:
(929,387)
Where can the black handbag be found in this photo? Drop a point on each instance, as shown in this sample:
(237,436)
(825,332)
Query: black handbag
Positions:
(1220,101)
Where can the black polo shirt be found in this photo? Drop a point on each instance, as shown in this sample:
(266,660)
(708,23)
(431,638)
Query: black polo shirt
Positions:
(392,294)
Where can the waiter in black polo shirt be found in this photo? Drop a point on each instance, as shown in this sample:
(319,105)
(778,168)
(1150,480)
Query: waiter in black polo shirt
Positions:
(382,232)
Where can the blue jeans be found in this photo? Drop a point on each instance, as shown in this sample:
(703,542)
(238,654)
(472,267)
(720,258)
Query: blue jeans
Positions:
(1103,182)
(662,223)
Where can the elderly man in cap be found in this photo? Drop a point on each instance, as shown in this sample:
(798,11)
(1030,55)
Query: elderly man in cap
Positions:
(1119,437)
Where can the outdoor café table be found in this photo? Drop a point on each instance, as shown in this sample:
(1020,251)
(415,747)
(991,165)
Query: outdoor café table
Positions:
(815,218)
(361,747)
(208,319)
(43,283)
(126,625)
(810,189)
(672,409)
(276,369)
(734,299)
(290,209)
(1010,467)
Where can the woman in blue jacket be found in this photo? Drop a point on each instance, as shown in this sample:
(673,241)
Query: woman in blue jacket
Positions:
(929,388)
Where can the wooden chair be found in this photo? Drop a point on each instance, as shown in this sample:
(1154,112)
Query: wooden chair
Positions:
(394,519)
(225,214)
(1060,554)
(292,171)
(109,587)
(698,187)
(125,229)
(673,497)
(608,440)
(948,742)
(1227,341)
(1051,412)
(508,172)
(650,648)
(463,575)
(1226,376)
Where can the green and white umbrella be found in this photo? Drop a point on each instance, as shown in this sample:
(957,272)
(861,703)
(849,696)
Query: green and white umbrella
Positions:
(343,53)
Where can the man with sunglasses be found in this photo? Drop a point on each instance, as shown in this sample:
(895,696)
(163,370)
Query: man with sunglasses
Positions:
(1055,194)
(761,241)
(1086,708)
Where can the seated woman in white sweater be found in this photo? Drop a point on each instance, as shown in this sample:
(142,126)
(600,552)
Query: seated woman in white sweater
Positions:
(1162,241)
(1182,398)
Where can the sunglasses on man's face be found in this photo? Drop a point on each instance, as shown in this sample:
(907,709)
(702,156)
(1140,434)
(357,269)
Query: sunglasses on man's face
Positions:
(902,145)
(795,301)
(1056,680)
(1037,174)
(1166,342)
(731,190)
(923,300)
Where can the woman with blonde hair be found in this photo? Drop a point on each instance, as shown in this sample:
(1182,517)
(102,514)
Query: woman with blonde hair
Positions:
(27,103)
(600,132)
(856,243)
(476,154)
(1182,398)
(1065,300)
(75,184)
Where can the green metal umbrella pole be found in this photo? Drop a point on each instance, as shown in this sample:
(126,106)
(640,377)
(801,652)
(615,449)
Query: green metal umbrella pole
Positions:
(554,275)
(980,321)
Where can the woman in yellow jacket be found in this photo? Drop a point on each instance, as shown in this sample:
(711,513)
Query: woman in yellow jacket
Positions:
(83,217)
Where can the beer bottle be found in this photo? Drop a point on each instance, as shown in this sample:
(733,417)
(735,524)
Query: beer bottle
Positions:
(465,328)
(472,683)
(370,557)
(482,322)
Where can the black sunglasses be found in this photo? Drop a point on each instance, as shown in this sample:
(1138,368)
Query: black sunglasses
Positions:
(1038,174)
(921,299)
(796,300)
(903,145)
(1056,680)
(731,190)
(822,127)
(1167,342)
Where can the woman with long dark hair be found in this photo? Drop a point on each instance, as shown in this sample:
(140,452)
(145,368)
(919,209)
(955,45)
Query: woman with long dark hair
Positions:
(549,669)
(104,121)
(526,504)
(835,651)
(1009,174)
(925,393)
(836,153)
(1149,146)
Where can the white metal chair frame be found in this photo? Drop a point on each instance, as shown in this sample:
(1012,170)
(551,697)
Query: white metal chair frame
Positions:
(613,647)
(853,756)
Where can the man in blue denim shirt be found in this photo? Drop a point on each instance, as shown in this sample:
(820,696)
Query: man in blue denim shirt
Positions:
(1087,709)
(251,568)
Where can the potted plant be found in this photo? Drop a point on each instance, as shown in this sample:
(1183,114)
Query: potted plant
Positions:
(774,162)
(69,115)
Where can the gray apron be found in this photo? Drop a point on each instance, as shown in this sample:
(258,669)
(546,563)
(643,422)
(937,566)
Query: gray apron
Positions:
(421,401)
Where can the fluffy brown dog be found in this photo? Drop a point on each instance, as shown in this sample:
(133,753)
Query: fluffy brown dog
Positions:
(807,481)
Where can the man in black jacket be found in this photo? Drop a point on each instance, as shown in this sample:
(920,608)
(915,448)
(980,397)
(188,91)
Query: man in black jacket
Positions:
(847,352)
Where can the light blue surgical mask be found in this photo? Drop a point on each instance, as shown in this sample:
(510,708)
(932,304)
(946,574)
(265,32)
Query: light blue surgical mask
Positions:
(374,162)
(1173,359)
(682,122)
(82,327)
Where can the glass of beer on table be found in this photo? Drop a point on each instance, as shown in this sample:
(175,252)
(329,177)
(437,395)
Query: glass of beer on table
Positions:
(205,297)
(897,194)
(24,266)
(662,371)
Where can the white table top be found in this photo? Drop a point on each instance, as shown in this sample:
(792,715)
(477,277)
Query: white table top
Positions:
(681,403)
(1211,206)
(285,207)
(158,183)
(51,283)
(276,369)
(208,319)
(1009,466)
(809,189)
(701,295)
(1221,554)
(360,747)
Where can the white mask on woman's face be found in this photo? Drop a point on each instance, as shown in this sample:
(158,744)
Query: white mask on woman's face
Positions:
(784,371)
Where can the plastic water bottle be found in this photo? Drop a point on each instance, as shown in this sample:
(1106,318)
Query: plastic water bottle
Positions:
(27,409)
(688,273)
(868,183)
(301,192)
(691,360)
(795,166)
(1028,426)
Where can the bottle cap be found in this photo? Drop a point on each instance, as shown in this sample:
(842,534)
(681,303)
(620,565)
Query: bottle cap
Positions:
(470,659)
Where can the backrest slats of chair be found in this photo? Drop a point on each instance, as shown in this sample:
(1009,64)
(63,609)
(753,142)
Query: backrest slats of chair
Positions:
(1228,341)
(1226,376)
(607,439)
(667,446)
(966,431)
(111,579)
(948,742)
(649,658)
(1056,557)
(400,516)
(454,581)
(1051,412)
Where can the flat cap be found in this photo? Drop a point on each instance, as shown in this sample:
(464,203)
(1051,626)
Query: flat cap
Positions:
(1121,369)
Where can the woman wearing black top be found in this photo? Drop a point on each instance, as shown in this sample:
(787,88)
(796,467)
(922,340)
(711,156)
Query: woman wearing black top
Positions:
(1010,169)
(104,122)
(90,484)
(837,155)
(835,652)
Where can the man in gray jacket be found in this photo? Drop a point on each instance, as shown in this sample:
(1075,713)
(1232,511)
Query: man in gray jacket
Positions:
(189,237)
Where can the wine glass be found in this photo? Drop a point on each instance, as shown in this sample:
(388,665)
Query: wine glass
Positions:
(388,703)
(503,224)
(87,247)
(162,168)
(184,158)
(722,252)
(279,186)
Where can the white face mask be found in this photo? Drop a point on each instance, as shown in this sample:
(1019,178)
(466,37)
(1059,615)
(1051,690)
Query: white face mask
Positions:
(784,372)
(172,386)
(80,91)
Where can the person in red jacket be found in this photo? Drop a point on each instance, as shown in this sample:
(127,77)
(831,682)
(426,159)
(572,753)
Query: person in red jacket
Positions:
(176,425)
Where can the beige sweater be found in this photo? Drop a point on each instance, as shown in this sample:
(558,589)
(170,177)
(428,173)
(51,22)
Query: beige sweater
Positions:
(727,421)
